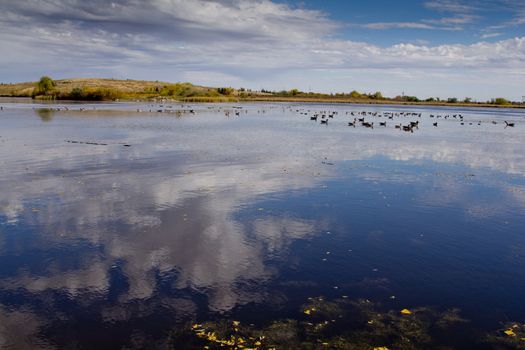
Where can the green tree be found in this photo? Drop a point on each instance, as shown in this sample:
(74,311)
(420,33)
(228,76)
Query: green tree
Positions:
(377,96)
(294,92)
(77,93)
(45,86)
(355,94)
(501,101)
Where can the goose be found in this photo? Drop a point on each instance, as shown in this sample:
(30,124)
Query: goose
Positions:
(313,118)
(324,121)
(382,123)
(435,124)
(509,124)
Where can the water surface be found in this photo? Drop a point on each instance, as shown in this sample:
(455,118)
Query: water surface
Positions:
(120,226)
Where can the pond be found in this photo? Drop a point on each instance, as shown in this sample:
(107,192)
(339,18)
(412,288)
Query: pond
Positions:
(167,225)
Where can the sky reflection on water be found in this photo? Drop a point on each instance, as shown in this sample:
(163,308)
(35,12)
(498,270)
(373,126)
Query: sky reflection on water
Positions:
(208,215)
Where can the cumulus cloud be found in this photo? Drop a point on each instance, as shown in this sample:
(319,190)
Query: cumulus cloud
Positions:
(242,42)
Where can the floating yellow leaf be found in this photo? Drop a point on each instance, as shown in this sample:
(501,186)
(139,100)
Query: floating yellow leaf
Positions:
(381,348)
(236,323)
(406,312)
(258,343)
(370,322)
(307,311)
(510,332)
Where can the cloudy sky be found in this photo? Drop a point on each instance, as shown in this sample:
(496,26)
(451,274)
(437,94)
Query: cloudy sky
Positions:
(439,48)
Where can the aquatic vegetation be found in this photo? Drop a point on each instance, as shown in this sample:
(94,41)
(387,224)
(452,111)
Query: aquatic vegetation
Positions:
(510,336)
(330,324)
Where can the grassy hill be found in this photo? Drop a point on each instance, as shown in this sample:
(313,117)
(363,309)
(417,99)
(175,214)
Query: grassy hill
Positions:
(114,89)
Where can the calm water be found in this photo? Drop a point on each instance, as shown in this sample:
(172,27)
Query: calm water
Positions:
(119,228)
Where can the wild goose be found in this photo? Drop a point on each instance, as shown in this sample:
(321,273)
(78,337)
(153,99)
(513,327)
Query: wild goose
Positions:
(509,124)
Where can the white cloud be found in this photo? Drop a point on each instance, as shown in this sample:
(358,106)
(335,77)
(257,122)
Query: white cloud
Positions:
(490,35)
(397,25)
(242,42)
(450,6)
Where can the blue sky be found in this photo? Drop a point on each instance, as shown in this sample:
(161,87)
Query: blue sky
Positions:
(426,48)
(430,22)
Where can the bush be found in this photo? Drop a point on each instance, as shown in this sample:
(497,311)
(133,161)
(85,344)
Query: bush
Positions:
(225,91)
(376,96)
(91,94)
(355,94)
(410,99)
(500,101)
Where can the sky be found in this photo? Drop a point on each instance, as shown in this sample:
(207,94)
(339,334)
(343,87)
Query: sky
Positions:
(432,48)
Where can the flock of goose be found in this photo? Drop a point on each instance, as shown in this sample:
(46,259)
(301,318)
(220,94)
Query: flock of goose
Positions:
(368,119)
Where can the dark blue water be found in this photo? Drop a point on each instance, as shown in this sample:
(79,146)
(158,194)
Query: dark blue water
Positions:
(120,228)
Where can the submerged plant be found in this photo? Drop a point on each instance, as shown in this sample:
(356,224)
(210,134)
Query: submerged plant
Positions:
(332,324)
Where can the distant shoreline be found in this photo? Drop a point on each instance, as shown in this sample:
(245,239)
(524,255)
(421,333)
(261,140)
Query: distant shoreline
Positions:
(280,99)
(379,102)
(102,89)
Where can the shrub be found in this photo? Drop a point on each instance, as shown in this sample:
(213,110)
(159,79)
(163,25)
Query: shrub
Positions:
(225,91)
(500,101)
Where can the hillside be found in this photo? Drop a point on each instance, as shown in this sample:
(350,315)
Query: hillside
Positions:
(99,89)
(113,89)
